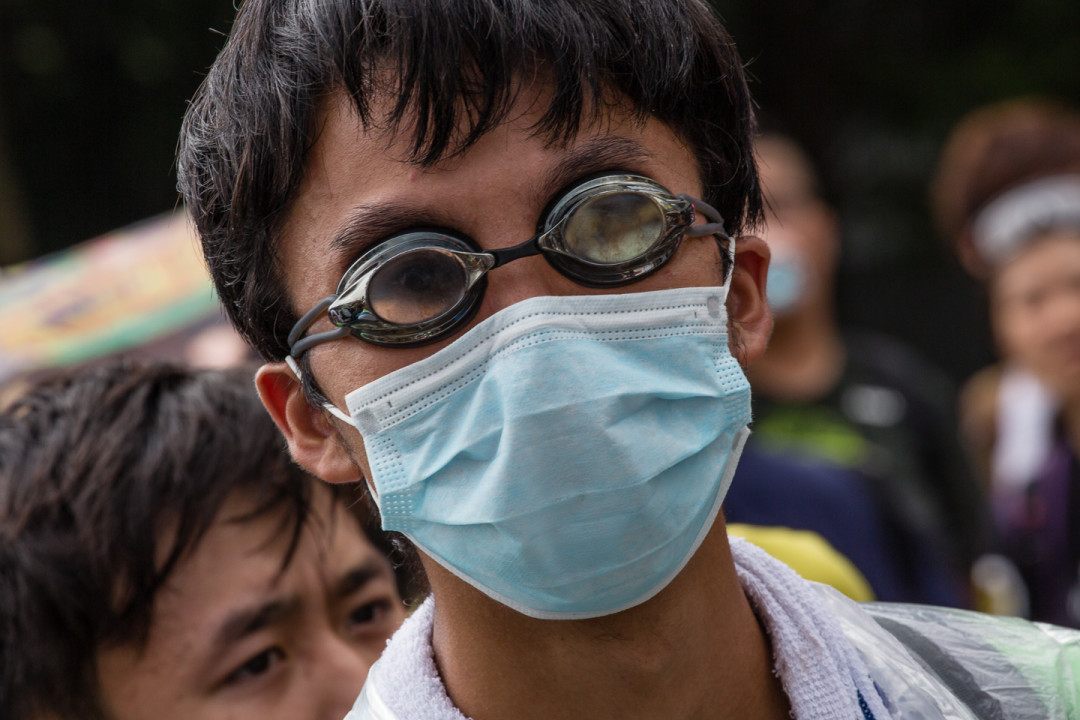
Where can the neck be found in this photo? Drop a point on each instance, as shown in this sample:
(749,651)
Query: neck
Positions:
(694,651)
(804,358)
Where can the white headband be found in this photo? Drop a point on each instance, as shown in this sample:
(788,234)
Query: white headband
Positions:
(1010,220)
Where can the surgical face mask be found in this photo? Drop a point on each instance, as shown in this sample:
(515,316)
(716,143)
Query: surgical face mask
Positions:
(567,455)
(786,282)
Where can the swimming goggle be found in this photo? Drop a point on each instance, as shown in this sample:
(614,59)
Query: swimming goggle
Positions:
(420,286)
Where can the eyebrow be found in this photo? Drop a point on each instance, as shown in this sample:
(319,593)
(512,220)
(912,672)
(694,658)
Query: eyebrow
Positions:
(368,224)
(360,575)
(594,155)
(246,621)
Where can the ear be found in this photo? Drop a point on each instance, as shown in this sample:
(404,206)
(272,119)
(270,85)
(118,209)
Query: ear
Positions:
(313,441)
(748,310)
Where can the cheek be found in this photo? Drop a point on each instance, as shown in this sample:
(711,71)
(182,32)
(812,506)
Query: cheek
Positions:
(1009,331)
(135,685)
(697,263)
(1021,335)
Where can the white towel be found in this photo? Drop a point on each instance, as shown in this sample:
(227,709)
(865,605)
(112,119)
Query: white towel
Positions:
(821,671)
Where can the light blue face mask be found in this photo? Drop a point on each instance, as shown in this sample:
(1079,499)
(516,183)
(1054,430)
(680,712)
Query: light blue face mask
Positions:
(567,455)
(785,283)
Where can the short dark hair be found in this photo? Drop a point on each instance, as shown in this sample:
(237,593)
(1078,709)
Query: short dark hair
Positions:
(93,464)
(251,123)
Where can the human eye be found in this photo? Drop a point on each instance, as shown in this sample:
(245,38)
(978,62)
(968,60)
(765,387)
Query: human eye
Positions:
(256,666)
(610,219)
(369,613)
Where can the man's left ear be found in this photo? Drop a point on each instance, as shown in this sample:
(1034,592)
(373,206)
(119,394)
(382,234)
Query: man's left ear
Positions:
(748,310)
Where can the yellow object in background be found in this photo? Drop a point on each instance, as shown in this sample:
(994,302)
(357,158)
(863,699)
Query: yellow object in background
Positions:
(810,555)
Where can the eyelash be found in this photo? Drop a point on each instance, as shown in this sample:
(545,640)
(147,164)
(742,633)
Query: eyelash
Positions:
(255,666)
(377,608)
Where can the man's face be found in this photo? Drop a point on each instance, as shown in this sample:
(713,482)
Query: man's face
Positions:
(1036,310)
(494,193)
(235,636)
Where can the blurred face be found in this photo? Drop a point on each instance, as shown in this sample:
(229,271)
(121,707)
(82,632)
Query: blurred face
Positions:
(234,636)
(800,229)
(1036,310)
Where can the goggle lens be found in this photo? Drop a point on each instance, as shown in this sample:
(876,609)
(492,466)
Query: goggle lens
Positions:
(417,286)
(613,228)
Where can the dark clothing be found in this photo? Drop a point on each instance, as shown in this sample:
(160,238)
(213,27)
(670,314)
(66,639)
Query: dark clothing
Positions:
(839,505)
(890,418)
(1039,528)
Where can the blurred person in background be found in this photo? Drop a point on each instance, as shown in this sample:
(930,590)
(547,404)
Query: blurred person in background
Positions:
(864,404)
(162,557)
(1007,196)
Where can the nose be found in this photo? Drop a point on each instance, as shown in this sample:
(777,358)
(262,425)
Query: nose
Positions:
(519,280)
(338,673)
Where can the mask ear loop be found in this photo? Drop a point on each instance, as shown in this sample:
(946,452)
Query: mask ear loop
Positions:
(327,406)
(715,226)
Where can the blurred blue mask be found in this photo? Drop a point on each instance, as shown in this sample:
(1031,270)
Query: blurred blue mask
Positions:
(786,283)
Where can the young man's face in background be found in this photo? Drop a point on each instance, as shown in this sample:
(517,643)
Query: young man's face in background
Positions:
(233,635)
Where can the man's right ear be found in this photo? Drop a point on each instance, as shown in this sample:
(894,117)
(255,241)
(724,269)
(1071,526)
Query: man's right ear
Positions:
(313,441)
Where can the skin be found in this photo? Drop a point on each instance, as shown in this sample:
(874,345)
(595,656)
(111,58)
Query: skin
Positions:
(305,660)
(695,650)
(1035,301)
(806,352)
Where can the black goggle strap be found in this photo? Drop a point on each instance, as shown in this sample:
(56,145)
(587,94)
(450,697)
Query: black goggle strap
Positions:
(299,345)
(715,226)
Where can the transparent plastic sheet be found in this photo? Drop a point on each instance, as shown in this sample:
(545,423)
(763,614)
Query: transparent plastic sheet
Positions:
(942,663)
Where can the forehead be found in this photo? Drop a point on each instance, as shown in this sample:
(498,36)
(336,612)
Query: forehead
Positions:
(1047,258)
(512,170)
(246,552)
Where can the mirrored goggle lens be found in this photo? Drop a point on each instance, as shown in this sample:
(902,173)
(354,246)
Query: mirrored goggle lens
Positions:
(417,286)
(613,228)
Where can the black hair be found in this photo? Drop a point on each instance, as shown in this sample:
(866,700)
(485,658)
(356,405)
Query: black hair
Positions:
(450,65)
(94,463)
